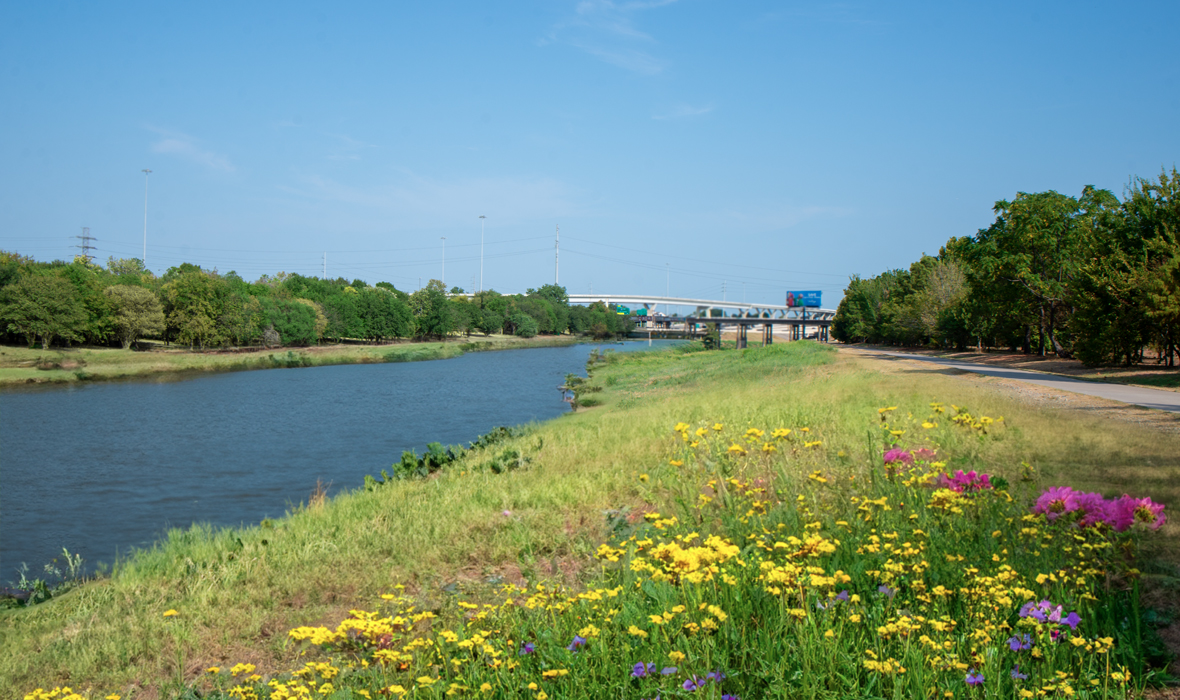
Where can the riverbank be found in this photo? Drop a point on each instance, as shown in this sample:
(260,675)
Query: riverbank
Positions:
(21,365)
(540,517)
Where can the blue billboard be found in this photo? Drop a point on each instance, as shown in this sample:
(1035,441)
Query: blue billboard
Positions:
(804,299)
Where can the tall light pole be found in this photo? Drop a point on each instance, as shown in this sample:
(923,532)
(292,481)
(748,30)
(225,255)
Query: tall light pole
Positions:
(482,218)
(444,270)
(667,285)
(146,172)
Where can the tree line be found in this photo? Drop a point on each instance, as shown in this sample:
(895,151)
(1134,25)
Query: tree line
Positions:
(80,302)
(1092,277)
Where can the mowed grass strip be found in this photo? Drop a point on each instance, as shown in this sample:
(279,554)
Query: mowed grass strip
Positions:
(19,365)
(238,591)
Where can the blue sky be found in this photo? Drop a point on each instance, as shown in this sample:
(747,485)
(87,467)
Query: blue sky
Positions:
(689,145)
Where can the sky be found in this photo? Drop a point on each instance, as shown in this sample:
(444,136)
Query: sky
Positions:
(700,148)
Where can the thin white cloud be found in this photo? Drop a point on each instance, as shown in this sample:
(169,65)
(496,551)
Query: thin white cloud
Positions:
(681,111)
(348,148)
(607,31)
(185,146)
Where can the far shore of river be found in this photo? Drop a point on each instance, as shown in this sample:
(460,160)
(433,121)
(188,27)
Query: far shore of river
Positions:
(33,366)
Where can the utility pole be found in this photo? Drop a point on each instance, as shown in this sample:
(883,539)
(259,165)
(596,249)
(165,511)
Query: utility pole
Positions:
(482,219)
(556,254)
(85,245)
(146,172)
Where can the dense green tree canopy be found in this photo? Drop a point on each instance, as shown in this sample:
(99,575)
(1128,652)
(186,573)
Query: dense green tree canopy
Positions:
(1090,276)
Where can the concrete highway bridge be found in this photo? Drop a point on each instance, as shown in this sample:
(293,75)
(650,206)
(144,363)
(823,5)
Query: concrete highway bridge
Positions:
(704,307)
(742,318)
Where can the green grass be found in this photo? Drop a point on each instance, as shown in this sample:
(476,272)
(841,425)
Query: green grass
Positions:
(20,365)
(239,591)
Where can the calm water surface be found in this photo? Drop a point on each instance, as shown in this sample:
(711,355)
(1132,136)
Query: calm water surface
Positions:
(104,468)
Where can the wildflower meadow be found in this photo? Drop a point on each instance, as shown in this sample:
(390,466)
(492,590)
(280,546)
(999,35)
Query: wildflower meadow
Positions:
(784,571)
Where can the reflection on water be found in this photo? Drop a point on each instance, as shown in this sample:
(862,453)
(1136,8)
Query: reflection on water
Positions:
(103,468)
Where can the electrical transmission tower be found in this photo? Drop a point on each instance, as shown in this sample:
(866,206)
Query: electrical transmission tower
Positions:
(85,245)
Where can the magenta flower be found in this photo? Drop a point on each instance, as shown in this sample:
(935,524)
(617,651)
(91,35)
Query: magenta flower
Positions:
(898,455)
(1056,501)
(578,643)
(528,648)
(694,683)
(969,481)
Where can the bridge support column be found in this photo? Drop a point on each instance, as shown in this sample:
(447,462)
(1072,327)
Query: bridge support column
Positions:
(767,334)
(741,335)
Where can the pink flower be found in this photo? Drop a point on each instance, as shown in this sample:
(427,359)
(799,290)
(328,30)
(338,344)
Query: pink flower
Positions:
(1056,501)
(970,481)
(1127,511)
(898,455)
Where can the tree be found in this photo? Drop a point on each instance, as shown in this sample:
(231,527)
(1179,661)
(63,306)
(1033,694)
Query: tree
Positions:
(432,310)
(45,307)
(137,312)
(293,321)
(192,303)
(522,325)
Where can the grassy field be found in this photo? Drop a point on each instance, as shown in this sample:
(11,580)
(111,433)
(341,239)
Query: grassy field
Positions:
(20,365)
(590,478)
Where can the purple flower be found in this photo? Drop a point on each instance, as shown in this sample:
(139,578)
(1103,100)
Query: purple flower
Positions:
(898,455)
(843,595)
(715,676)
(668,670)
(640,670)
(694,683)
(1018,644)
(1030,609)
(974,678)
(1072,620)
(729,697)
(1016,674)
(528,648)
(578,643)
(886,590)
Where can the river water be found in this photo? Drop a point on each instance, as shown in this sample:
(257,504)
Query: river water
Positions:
(102,469)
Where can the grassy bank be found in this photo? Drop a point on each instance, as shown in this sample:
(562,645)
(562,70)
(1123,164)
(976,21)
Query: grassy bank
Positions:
(20,365)
(583,480)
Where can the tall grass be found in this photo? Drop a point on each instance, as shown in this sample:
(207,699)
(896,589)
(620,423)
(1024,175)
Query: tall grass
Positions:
(239,591)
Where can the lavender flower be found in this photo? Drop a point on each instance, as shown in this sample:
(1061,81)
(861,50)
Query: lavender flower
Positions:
(528,648)
(640,670)
(668,670)
(1016,674)
(974,678)
(694,683)
(1018,644)
(578,643)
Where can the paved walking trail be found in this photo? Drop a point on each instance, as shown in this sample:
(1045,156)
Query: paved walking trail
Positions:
(1139,396)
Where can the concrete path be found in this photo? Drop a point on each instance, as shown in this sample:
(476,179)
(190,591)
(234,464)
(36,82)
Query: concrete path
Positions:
(1139,396)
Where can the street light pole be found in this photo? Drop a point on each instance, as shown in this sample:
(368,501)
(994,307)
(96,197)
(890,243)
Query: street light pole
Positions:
(146,172)
(482,218)
(444,270)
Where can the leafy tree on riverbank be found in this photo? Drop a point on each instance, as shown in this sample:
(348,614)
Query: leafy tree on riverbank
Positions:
(137,312)
(44,307)
(1090,276)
